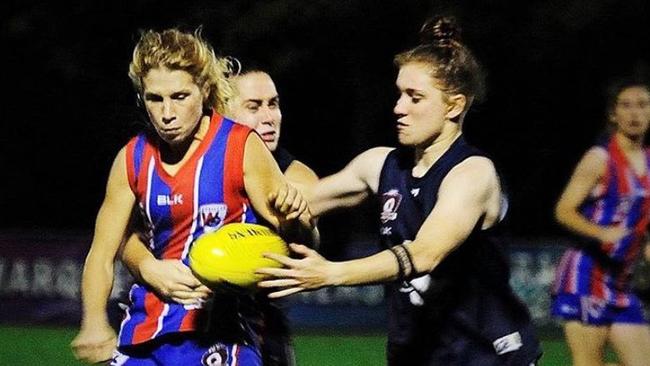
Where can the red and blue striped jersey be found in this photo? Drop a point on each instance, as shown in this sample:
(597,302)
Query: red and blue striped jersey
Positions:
(204,194)
(621,196)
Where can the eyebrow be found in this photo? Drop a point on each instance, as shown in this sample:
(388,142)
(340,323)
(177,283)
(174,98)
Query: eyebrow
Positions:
(256,101)
(260,101)
(410,91)
(183,91)
(152,96)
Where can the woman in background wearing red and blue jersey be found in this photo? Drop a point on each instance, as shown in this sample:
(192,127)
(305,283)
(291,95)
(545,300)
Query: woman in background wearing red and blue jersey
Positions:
(607,201)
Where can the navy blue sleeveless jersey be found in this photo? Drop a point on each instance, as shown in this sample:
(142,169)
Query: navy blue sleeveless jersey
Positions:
(464,311)
(269,319)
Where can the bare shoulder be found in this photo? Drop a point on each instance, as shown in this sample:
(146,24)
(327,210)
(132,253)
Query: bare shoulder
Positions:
(254,142)
(371,159)
(474,184)
(473,180)
(121,154)
(595,157)
(257,157)
(118,181)
(473,171)
(367,165)
(597,152)
(591,166)
(379,152)
(119,163)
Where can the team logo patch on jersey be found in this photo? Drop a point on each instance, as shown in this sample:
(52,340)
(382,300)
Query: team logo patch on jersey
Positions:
(390,203)
(216,355)
(212,216)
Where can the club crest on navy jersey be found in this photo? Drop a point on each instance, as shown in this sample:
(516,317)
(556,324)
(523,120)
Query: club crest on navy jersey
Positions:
(390,202)
(212,216)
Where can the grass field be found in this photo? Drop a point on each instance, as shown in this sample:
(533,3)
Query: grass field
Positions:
(49,346)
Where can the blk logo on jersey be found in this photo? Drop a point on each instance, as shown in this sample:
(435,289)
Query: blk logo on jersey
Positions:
(212,216)
(169,200)
(390,203)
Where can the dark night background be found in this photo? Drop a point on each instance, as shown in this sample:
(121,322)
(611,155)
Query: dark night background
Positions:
(68,104)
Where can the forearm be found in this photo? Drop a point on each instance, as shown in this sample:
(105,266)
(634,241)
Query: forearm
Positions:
(345,189)
(110,226)
(380,267)
(133,255)
(578,224)
(96,285)
(170,278)
(327,196)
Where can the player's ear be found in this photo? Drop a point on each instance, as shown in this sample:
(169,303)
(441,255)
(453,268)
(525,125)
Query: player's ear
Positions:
(205,93)
(455,105)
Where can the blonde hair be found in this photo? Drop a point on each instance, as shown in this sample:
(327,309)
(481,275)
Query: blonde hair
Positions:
(177,50)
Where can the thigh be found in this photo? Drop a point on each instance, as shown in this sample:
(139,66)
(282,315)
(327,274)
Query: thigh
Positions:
(587,342)
(631,342)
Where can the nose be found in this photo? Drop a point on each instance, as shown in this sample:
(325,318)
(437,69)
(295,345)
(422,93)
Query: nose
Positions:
(269,118)
(640,110)
(398,109)
(168,114)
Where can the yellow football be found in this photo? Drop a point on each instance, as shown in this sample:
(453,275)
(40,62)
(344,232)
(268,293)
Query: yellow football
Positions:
(233,253)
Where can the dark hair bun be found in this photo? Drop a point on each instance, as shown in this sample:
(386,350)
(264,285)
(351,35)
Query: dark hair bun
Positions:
(440,31)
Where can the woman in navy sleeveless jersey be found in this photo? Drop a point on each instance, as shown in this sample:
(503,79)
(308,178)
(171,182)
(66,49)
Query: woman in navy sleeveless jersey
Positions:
(192,173)
(448,293)
(607,202)
(257,105)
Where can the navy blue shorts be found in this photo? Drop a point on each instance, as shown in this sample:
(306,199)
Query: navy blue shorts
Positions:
(592,311)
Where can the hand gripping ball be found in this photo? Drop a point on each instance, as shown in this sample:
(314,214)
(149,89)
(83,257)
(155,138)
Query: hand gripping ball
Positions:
(233,253)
